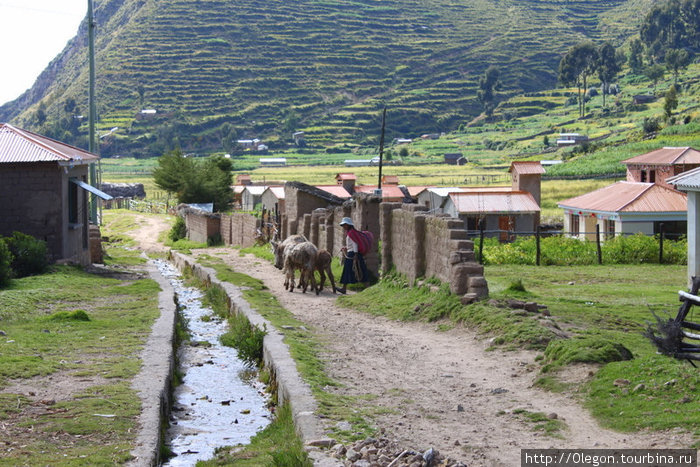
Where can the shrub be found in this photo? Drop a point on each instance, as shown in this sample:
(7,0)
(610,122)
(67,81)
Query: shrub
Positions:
(29,254)
(246,339)
(178,230)
(5,263)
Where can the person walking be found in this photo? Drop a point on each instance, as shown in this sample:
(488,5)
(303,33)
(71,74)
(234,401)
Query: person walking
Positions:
(354,267)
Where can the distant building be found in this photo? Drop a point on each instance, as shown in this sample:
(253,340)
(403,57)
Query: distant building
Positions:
(455,158)
(571,139)
(357,162)
(272,161)
(643,99)
(402,141)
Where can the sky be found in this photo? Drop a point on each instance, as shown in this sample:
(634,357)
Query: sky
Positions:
(32,33)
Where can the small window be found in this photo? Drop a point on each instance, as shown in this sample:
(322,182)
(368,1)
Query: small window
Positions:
(609,228)
(652,176)
(643,176)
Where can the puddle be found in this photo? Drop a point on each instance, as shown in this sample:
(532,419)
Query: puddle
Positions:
(219,403)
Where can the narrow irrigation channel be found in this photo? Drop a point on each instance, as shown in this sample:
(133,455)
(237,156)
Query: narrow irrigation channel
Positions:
(220,402)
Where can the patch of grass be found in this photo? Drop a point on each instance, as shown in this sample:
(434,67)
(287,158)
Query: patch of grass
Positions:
(594,349)
(277,445)
(541,422)
(246,339)
(75,315)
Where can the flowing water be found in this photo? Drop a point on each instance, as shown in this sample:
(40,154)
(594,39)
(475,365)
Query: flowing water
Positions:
(219,402)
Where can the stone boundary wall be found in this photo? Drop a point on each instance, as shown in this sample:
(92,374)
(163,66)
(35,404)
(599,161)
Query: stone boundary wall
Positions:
(201,225)
(239,229)
(421,245)
(290,386)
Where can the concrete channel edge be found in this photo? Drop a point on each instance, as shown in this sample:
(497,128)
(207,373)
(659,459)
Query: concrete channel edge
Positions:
(291,387)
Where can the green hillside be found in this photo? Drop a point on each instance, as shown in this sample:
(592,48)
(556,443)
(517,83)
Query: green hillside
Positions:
(220,70)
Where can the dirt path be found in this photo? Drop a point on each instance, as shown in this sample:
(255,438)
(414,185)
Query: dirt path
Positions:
(147,232)
(443,389)
(440,389)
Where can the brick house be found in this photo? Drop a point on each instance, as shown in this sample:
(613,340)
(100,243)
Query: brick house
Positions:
(44,192)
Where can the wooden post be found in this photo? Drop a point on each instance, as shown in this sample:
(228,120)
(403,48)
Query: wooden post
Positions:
(661,243)
(597,241)
(537,242)
(481,241)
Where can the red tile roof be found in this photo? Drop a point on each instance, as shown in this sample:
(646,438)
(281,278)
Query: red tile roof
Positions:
(346,176)
(494,202)
(629,197)
(667,156)
(18,145)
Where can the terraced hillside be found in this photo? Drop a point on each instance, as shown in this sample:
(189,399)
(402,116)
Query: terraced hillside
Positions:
(219,70)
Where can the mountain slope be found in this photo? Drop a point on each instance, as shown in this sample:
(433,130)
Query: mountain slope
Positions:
(217,70)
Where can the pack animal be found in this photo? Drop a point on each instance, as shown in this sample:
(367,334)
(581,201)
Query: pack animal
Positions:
(278,248)
(301,256)
(323,266)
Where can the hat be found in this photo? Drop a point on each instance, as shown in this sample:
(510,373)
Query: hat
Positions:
(347,221)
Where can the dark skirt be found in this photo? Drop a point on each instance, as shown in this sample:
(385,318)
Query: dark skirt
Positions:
(351,274)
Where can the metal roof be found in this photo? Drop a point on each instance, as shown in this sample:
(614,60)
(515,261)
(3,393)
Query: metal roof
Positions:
(388,191)
(18,145)
(494,202)
(277,191)
(629,197)
(337,190)
(667,156)
(346,176)
(686,181)
(526,167)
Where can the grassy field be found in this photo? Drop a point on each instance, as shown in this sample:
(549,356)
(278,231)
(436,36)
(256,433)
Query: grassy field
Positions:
(67,357)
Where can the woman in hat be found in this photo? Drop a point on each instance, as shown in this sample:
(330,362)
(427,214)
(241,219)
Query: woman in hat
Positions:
(354,267)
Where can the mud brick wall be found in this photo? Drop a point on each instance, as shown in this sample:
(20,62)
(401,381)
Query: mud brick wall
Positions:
(239,229)
(422,245)
(201,225)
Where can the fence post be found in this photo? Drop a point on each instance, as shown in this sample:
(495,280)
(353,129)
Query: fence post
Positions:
(481,241)
(661,243)
(597,242)
(537,242)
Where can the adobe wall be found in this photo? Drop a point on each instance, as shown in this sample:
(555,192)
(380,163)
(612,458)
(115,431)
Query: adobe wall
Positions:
(239,229)
(421,245)
(201,225)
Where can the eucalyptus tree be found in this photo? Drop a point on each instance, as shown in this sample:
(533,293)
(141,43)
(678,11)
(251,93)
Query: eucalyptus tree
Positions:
(608,66)
(676,60)
(578,64)
(488,84)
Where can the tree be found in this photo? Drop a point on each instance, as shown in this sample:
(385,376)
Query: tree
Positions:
(654,73)
(488,84)
(40,114)
(196,181)
(635,59)
(677,60)
(577,65)
(608,66)
(670,101)
(674,24)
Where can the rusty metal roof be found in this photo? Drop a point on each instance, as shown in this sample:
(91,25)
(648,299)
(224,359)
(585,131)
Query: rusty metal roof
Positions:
(667,156)
(18,145)
(337,190)
(346,176)
(494,202)
(393,192)
(526,167)
(629,197)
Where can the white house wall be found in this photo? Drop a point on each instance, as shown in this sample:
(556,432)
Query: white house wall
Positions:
(693,233)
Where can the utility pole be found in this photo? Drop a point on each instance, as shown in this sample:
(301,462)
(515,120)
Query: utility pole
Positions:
(381,152)
(92,147)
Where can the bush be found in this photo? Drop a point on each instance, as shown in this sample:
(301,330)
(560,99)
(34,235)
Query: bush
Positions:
(29,254)
(5,263)
(179,230)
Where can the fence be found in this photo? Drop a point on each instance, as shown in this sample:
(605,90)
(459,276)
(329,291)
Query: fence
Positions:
(509,236)
(151,206)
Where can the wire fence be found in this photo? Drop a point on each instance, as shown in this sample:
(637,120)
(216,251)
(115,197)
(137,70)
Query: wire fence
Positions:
(634,253)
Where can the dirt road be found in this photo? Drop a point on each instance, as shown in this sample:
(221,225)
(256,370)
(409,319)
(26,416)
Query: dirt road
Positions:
(442,389)
(436,389)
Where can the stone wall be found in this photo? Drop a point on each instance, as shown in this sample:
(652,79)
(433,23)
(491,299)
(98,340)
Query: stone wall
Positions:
(201,225)
(239,229)
(421,245)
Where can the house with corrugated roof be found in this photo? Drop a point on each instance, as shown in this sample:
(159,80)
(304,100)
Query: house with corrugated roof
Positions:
(644,203)
(45,192)
(272,198)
